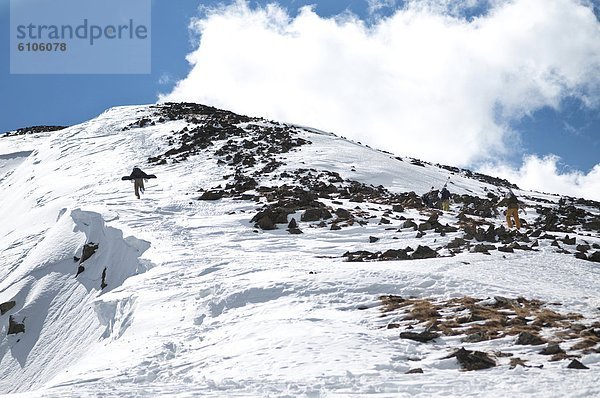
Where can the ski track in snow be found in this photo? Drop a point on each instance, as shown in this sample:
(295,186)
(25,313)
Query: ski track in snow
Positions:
(224,310)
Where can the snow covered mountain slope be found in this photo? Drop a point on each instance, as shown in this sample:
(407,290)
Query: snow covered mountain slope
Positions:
(275,260)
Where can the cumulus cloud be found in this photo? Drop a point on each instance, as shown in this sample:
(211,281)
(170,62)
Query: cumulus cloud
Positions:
(423,82)
(544,174)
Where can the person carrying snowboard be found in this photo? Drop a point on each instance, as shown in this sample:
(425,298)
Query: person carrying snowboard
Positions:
(512,209)
(445,196)
(138,177)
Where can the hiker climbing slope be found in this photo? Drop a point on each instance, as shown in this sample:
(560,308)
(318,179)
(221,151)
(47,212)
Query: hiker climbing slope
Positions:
(445,196)
(138,177)
(512,209)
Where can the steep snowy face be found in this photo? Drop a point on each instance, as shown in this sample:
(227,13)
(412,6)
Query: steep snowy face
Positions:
(273,259)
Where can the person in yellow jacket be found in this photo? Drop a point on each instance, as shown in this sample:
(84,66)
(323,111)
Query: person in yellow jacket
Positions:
(512,209)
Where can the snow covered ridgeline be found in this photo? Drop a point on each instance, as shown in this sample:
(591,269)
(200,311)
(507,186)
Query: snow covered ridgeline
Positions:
(263,307)
(254,155)
(52,302)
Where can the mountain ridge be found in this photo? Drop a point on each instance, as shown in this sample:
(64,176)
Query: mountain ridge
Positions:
(261,239)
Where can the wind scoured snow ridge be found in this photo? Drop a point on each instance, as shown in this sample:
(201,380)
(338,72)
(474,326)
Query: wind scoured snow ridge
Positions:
(270,259)
(55,309)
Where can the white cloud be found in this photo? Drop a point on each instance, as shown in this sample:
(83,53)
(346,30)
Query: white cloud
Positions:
(421,83)
(544,175)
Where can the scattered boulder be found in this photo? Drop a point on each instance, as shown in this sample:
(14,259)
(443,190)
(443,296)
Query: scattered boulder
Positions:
(423,252)
(293,224)
(425,227)
(595,257)
(265,222)
(581,256)
(473,360)
(410,224)
(422,337)
(552,349)
(392,254)
(575,364)
(483,248)
(526,338)
(583,248)
(315,214)
(397,208)
(373,239)
(212,195)
(506,249)
(456,243)
(343,214)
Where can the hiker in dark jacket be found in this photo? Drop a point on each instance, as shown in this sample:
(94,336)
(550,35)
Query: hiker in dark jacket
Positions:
(138,177)
(512,209)
(445,196)
(430,198)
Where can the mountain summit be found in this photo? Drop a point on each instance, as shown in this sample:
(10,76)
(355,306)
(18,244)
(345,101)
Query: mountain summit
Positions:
(269,259)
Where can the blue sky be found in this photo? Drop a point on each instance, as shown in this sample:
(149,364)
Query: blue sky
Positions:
(568,129)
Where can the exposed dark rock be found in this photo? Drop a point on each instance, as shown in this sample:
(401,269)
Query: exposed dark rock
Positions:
(581,256)
(343,214)
(103,283)
(360,256)
(315,214)
(265,222)
(473,360)
(575,364)
(456,243)
(552,349)
(483,248)
(569,241)
(88,250)
(397,208)
(506,249)
(583,248)
(423,252)
(15,325)
(595,257)
(293,224)
(335,227)
(294,231)
(80,269)
(425,226)
(392,254)
(536,233)
(373,239)
(5,307)
(415,370)
(526,338)
(409,224)
(211,195)
(422,337)
(384,221)
(33,130)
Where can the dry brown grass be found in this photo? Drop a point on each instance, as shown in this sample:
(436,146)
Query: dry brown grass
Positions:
(586,342)
(392,303)
(424,311)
